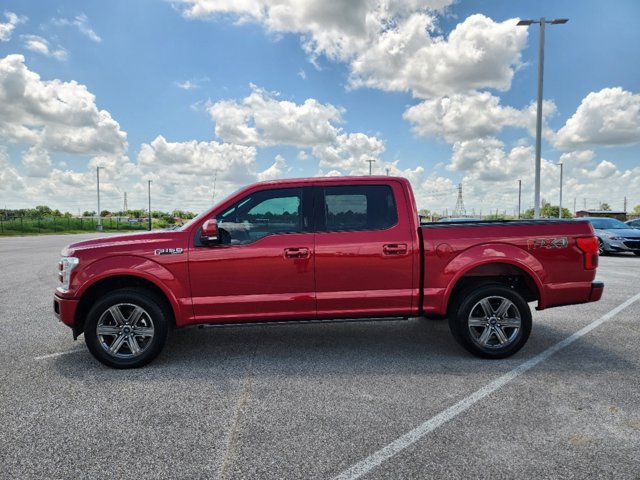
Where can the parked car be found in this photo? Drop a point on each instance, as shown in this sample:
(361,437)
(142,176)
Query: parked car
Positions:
(615,236)
(459,219)
(633,223)
(323,248)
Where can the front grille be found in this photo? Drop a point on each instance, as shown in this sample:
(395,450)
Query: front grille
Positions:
(632,244)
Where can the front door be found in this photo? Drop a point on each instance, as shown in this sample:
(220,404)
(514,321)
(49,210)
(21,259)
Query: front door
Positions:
(265,268)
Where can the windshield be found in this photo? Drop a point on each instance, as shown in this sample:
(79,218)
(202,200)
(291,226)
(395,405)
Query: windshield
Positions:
(192,221)
(607,223)
(195,219)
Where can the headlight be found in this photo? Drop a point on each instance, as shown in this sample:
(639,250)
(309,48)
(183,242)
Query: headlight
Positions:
(614,237)
(65,267)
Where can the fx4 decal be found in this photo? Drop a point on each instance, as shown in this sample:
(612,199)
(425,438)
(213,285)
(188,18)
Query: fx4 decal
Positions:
(548,243)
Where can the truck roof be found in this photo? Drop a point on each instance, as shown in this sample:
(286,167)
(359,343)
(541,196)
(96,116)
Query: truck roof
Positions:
(330,180)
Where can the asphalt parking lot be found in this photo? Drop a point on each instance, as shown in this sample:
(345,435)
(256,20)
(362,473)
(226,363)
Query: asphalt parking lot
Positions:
(315,401)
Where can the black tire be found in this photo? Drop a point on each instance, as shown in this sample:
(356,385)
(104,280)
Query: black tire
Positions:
(127,328)
(490,321)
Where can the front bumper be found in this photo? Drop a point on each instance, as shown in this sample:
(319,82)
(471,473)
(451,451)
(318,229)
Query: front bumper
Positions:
(625,245)
(65,309)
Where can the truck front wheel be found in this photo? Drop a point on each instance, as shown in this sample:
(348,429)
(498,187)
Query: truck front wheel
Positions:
(126,328)
(491,321)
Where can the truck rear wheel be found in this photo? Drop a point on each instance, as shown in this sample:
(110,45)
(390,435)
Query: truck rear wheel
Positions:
(126,328)
(491,321)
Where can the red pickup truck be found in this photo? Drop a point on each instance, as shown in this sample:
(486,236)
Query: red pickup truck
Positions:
(322,248)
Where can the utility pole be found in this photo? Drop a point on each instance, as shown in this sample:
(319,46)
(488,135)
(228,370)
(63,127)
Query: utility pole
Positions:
(99,226)
(149,188)
(371,160)
(542,22)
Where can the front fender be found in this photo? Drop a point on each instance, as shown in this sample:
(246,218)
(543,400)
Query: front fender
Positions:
(170,283)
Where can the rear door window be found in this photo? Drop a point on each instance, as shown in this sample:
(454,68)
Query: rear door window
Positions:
(358,207)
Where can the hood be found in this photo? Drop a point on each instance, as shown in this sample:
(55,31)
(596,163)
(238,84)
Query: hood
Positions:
(129,242)
(621,232)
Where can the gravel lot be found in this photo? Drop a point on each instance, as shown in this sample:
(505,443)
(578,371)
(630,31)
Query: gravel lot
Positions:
(310,401)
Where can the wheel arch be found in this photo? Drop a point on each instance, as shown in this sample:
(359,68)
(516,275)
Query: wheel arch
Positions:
(511,275)
(118,282)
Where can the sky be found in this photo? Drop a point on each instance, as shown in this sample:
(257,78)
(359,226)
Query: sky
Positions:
(203,97)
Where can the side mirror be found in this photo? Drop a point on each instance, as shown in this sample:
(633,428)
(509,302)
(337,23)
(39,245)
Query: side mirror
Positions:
(210,231)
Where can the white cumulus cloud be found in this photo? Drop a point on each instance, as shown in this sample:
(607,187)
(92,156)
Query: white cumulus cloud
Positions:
(350,153)
(262,120)
(608,117)
(487,158)
(389,45)
(478,53)
(37,162)
(58,116)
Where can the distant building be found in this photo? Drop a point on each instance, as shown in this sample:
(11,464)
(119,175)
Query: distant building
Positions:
(602,213)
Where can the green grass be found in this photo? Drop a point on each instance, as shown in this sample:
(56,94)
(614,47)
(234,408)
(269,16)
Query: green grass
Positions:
(52,225)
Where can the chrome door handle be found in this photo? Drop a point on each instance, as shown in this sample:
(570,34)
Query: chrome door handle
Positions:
(395,249)
(296,252)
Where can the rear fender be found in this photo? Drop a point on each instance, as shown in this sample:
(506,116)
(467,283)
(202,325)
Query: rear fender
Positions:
(493,253)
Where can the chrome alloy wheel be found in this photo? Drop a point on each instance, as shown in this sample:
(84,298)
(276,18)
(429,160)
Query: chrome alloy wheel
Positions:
(494,322)
(125,330)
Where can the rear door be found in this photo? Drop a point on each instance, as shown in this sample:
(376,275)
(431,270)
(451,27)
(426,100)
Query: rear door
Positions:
(364,251)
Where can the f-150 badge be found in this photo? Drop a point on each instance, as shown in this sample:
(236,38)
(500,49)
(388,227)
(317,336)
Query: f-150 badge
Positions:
(169,251)
(548,243)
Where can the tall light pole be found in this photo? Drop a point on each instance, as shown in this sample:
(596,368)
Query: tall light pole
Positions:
(560,209)
(149,187)
(519,197)
(542,22)
(99,226)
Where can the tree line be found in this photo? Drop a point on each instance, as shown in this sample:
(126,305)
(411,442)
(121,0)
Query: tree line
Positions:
(42,211)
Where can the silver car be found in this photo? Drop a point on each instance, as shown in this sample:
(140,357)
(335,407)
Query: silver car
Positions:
(614,235)
(633,223)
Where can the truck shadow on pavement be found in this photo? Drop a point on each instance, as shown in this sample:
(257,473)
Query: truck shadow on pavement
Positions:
(392,347)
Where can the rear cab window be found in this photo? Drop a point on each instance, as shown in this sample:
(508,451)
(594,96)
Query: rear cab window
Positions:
(357,207)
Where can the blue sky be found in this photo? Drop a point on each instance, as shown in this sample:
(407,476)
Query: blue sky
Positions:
(193,93)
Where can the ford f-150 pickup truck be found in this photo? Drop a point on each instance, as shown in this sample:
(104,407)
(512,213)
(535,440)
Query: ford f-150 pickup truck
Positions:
(320,249)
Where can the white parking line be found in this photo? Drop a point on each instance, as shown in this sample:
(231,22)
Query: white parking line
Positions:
(53,355)
(411,437)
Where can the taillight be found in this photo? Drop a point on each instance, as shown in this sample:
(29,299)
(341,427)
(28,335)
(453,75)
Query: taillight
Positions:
(589,246)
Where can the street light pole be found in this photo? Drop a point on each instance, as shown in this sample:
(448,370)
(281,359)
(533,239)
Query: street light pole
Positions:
(542,22)
(99,226)
(149,186)
(560,209)
(519,197)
